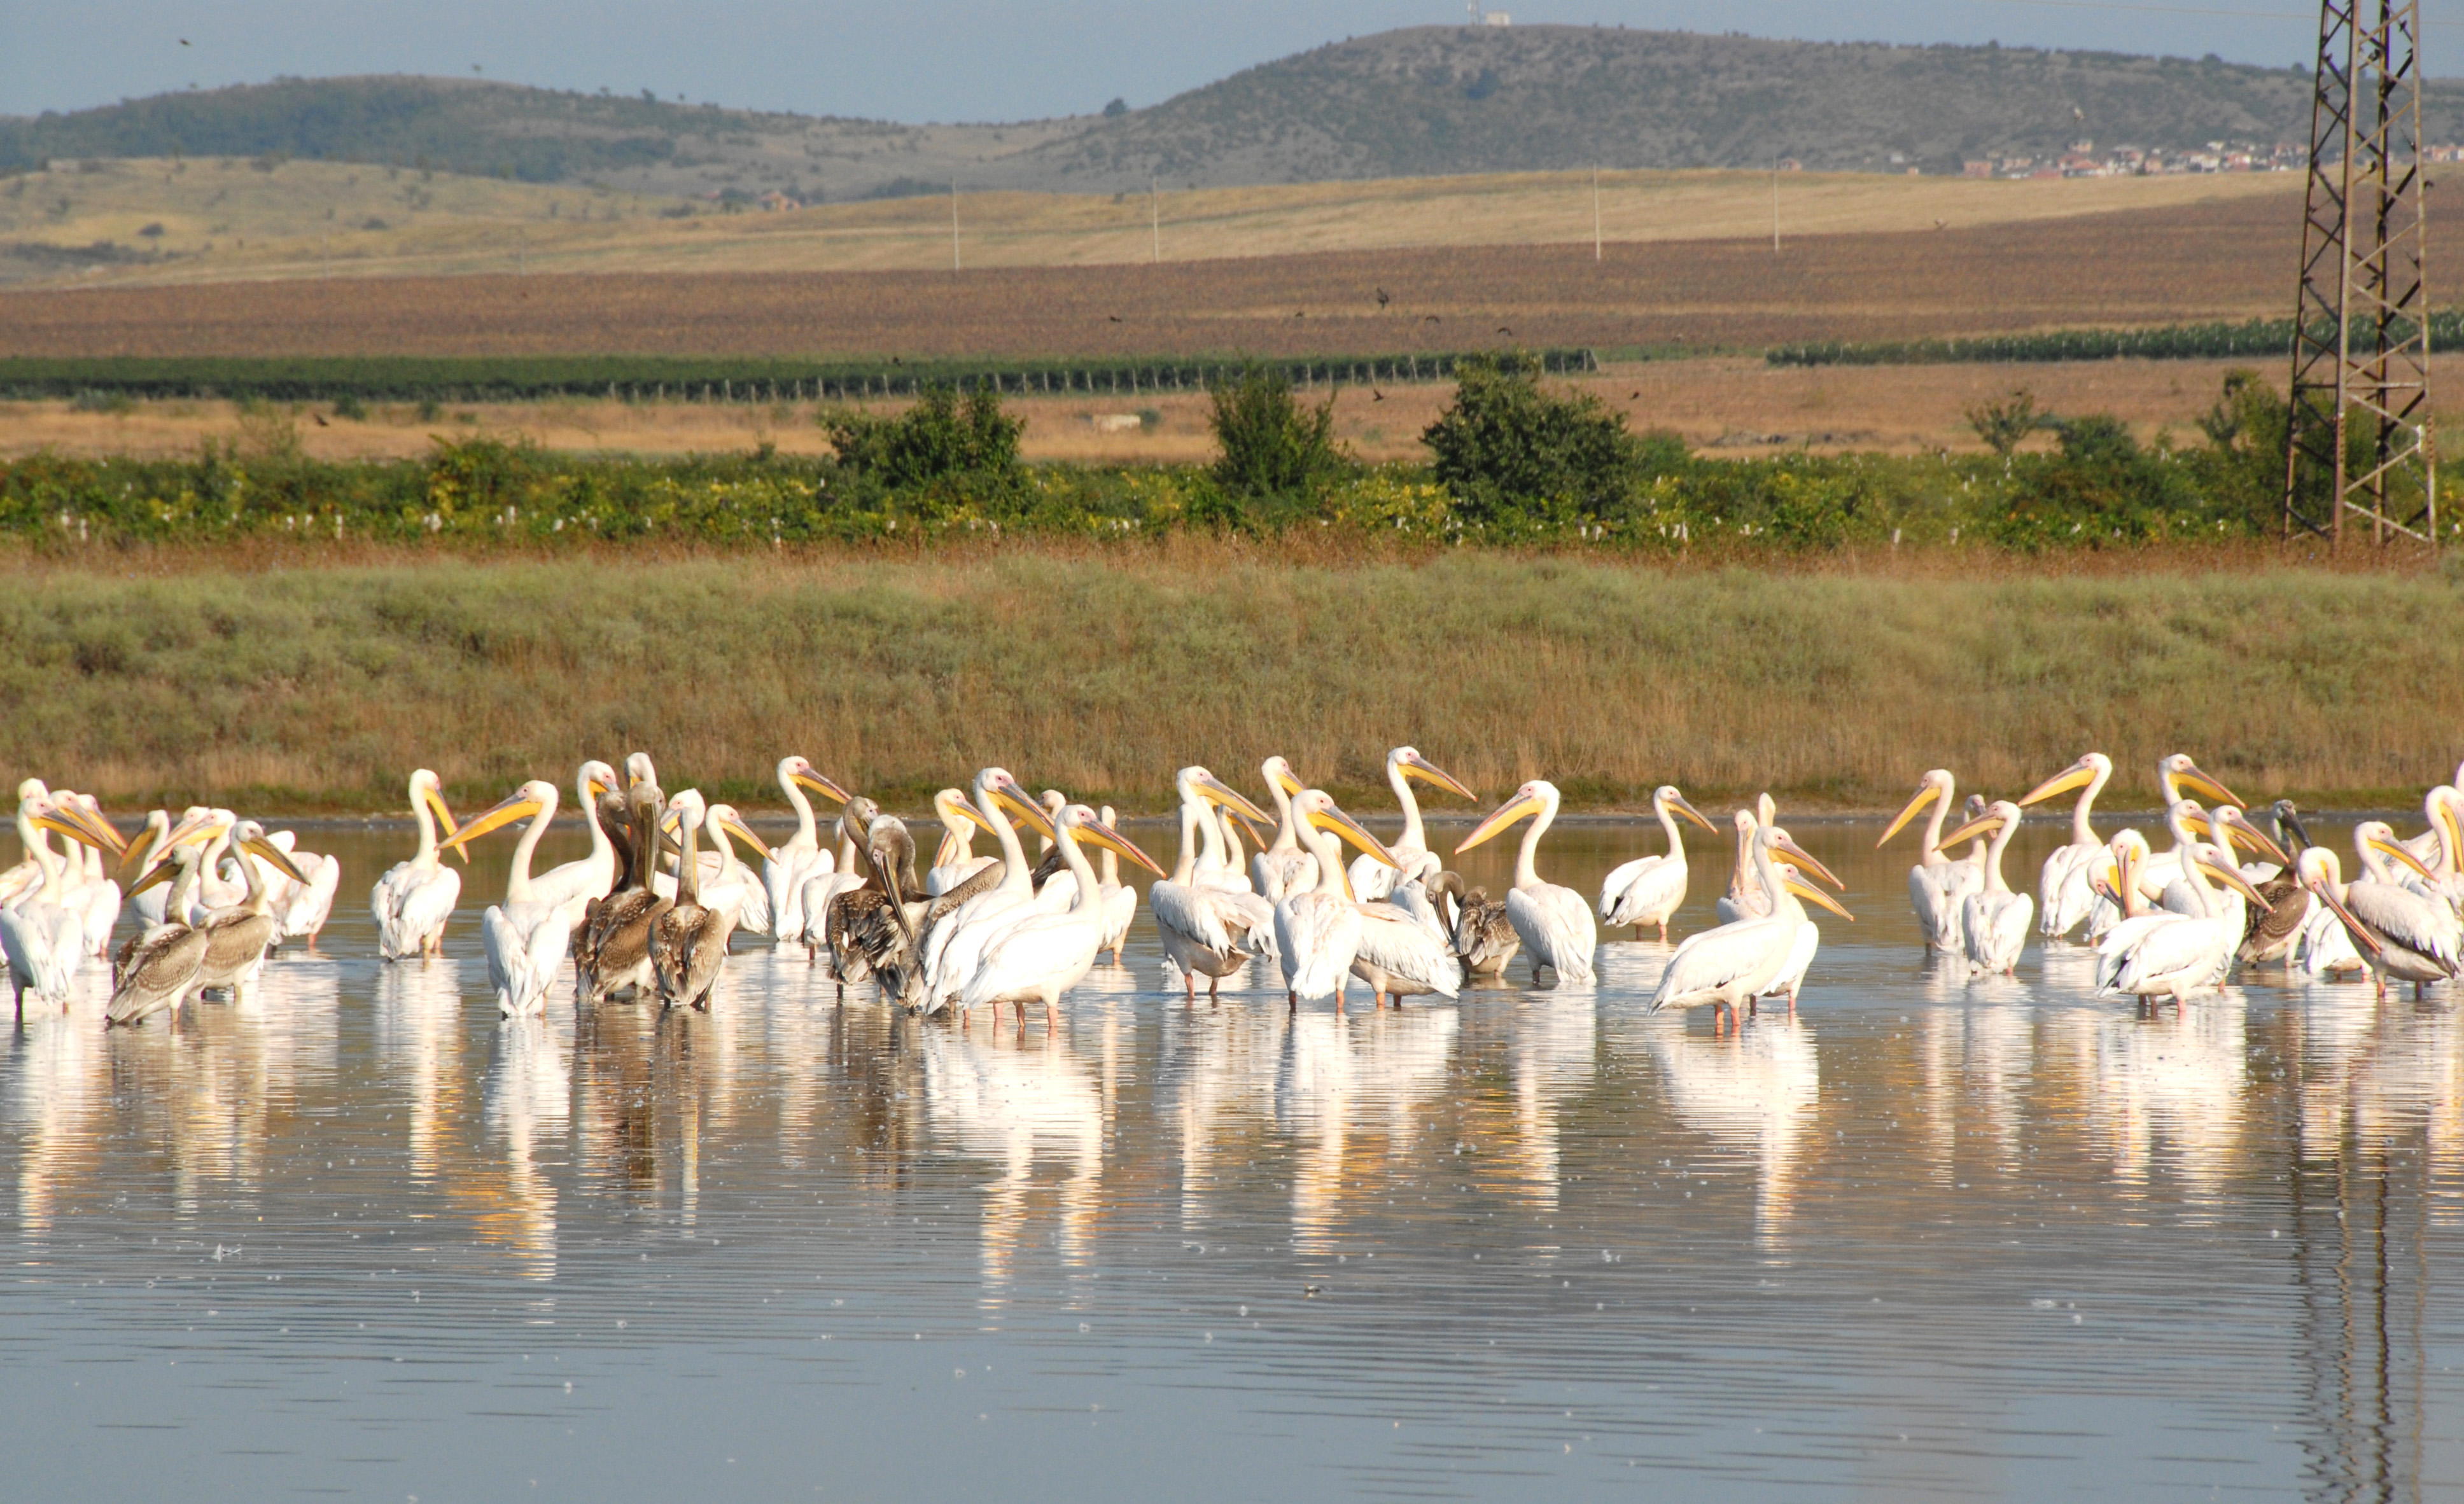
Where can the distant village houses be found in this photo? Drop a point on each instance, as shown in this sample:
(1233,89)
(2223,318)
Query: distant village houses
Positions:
(2082,160)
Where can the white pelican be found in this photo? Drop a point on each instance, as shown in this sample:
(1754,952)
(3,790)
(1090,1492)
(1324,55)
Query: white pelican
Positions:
(571,885)
(526,936)
(1285,866)
(802,856)
(1371,879)
(414,899)
(1745,898)
(1206,931)
(958,936)
(846,874)
(735,882)
(155,839)
(688,941)
(1936,884)
(1554,922)
(1649,890)
(1402,955)
(2176,773)
(2169,954)
(1121,899)
(1043,957)
(2441,849)
(1317,933)
(305,906)
(954,859)
(92,892)
(2400,933)
(1994,920)
(236,937)
(2220,825)
(1747,958)
(2064,896)
(43,937)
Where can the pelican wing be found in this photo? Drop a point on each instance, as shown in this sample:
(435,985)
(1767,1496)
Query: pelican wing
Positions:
(1396,944)
(1277,874)
(1042,955)
(1316,936)
(158,975)
(2170,954)
(1937,906)
(2415,921)
(1994,928)
(1556,928)
(1642,891)
(2064,896)
(1732,962)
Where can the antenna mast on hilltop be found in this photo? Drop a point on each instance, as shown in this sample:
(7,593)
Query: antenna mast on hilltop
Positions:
(2360,434)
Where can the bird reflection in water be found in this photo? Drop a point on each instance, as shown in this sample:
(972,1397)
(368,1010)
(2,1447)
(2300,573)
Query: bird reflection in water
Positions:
(526,1101)
(1753,1093)
(60,1081)
(1019,1101)
(1977,1060)
(1350,1092)
(2163,1074)
(232,1073)
(419,1030)
(1551,1043)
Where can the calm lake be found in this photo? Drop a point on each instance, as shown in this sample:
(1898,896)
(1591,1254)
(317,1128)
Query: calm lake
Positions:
(1929,1237)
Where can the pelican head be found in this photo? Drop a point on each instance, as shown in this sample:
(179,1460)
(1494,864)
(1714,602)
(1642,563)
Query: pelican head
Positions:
(797,770)
(1667,798)
(1537,797)
(638,771)
(2093,768)
(596,778)
(1988,820)
(175,861)
(1084,824)
(1407,762)
(90,809)
(2177,772)
(428,790)
(1783,845)
(1194,783)
(954,812)
(1316,809)
(723,821)
(249,836)
(997,785)
(2377,835)
(1277,771)
(522,803)
(56,812)
(1934,785)
(2124,855)
(2239,828)
(2319,871)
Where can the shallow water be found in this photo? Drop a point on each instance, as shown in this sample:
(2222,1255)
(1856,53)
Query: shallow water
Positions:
(1925,1238)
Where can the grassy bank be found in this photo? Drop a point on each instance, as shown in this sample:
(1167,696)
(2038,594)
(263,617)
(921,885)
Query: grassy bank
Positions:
(1102,670)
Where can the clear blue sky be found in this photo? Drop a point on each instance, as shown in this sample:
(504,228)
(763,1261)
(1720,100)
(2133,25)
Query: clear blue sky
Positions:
(964,59)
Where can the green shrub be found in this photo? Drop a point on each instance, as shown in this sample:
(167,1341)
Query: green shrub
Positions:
(348,405)
(1273,449)
(941,436)
(1517,456)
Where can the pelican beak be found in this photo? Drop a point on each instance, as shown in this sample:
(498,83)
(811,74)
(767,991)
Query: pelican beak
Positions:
(2235,882)
(154,877)
(972,815)
(598,786)
(1103,834)
(947,851)
(2258,839)
(96,821)
(279,858)
(1231,799)
(1025,809)
(1257,837)
(1419,767)
(1680,805)
(2127,878)
(2354,928)
(2107,881)
(1924,797)
(201,827)
(824,787)
(1815,896)
(1805,861)
(744,833)
(2404,854)
(1982,825)
(2192,777)
(1291,785)
(518,806)
(2079,776)
(445,816)
(1352,831)
(2454,831)
(1504,815)
(68,825)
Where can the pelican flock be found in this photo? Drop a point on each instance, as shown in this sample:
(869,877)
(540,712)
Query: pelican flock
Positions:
(672,885)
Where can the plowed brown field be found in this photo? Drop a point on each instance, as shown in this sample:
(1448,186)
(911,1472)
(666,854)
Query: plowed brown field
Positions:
(2209,261)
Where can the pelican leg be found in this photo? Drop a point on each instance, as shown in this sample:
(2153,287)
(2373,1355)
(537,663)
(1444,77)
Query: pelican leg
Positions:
(1663,931)
(1213,989)
(1293,999)
(1190,978)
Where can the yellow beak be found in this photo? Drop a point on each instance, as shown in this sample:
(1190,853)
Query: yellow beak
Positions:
(1427,771)
(1982,825)
(1805,861)
(2063,782)
(518,806)
(1231,799)
(155,876)
(1504,815)
(2360,932)
(1815,896)
(1026,810)
(2258,841)
(1103,834)
(2194,779)
(1291,785)
(1924,797)
(969,812)
(275,855)
(2235,882)
(822,786)
(1681,807)
(1352,831)
(2404,854)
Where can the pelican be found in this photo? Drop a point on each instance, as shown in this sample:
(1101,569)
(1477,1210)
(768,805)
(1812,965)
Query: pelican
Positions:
(1745,898)
(2441,849)
(158,968)
(1483,937)
(414,899)
(688,941)
(2176,773)
(1809,936)
(1121,899)
(615,948)
(1403,953)
(847,872)
(93,893)
(1936,884)
(2400,933)
(1371,879)
(139,857)
(44,938)
(1206,931)
(571,885)
(236,937)
(1318,933)
(954,859)
(736,883)
(2169,954)
(307,906)
(1043,957)
(2220,824)
(1649,890)
(1745,958)
(2275,933)
(2064,896)
(526,937)
(1286,866)
(802,856)
(1994,920)
(1554,922)
(959,934)
(873,927)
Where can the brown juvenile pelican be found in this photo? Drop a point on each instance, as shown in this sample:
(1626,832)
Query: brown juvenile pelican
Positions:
(873,927)
(237,938)
(617,936)
(2268,934)
(1483,937)
(158,970)
(688,941)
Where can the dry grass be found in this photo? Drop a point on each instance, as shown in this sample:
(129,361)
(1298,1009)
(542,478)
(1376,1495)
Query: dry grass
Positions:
(2229,259)
(1101,672)
(1726,406)
(228,219)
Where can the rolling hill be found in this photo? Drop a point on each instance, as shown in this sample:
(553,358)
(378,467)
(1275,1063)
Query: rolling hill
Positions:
(1424,101)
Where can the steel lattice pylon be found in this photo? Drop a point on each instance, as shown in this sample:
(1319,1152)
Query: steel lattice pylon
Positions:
(2360,438)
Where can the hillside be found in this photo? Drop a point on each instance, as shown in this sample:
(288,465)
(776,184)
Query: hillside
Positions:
(1429,101)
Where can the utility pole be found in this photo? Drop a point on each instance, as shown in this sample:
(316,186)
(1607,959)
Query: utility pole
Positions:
(954,228)
(1774,209)
(2360,335)
(1155,210)
(1595,211)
